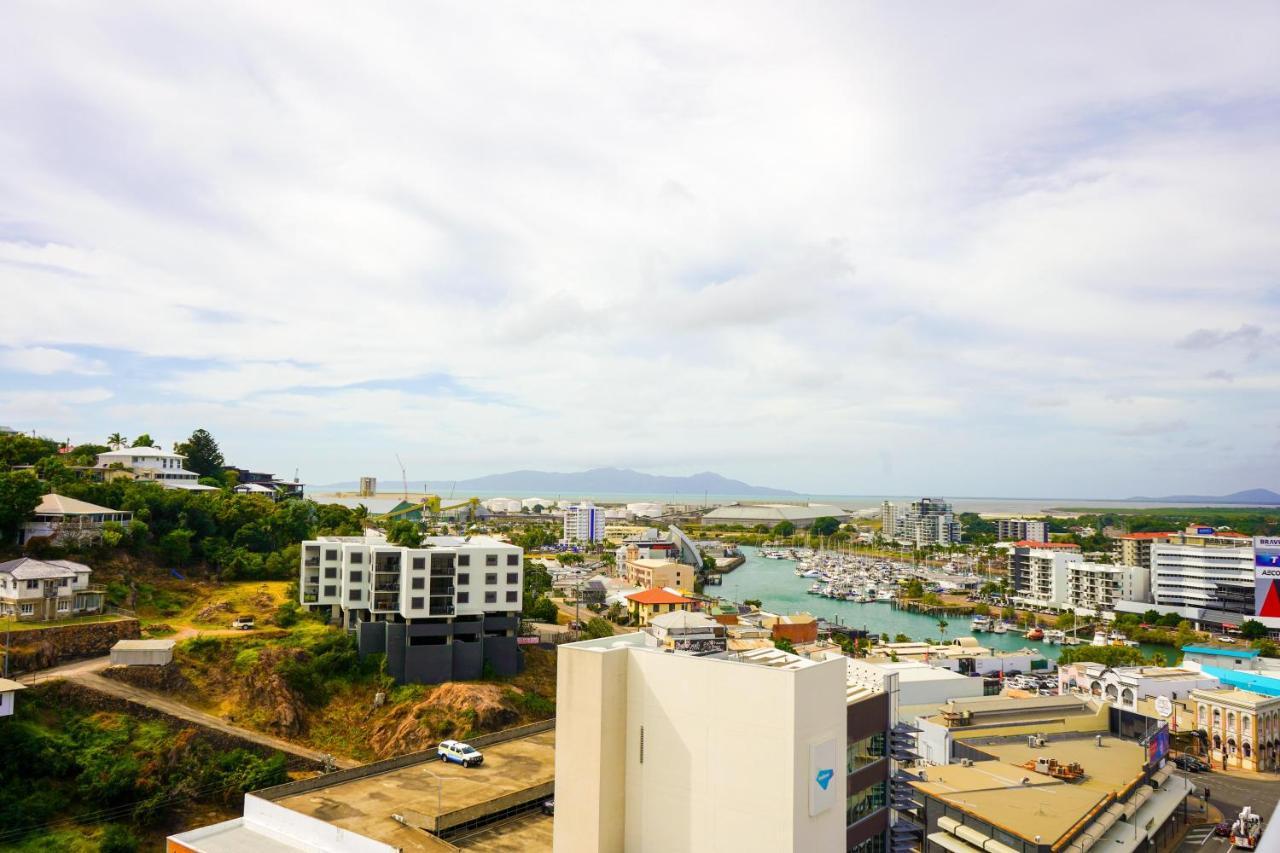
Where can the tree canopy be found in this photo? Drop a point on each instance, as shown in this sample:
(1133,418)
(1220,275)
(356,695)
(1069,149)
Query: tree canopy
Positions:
(825,526)
(203,455)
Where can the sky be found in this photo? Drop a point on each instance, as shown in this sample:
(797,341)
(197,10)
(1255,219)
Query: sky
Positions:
(1000,249)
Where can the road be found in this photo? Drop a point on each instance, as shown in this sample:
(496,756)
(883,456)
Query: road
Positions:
(1229,792)
(86,674)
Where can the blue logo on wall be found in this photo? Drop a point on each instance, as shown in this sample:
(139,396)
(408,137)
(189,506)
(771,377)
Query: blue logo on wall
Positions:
(825,777)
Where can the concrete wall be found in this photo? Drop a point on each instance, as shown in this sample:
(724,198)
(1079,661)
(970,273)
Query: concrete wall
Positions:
(41,648)
(453,660)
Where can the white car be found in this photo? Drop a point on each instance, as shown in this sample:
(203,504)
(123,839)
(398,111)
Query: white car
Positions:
(459,753)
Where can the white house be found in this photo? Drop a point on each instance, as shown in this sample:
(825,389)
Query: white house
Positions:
(37,590)
(151,463)
(66,519)
(8,689)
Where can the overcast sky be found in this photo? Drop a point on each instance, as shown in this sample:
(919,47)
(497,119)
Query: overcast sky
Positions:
(857,248)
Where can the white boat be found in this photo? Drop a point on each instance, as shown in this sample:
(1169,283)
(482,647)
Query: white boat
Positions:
(1099,638)
(812,573)
(1000,628)
(980,624)
(1054,637)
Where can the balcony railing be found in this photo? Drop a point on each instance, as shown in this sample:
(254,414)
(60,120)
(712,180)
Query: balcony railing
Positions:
(311,563)
(441,609)
(384,586)
(310,598)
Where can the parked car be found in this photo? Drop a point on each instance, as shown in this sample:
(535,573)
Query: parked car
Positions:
(549,806)
(1191,763)
(459,753)
(243,623)
(1223,830)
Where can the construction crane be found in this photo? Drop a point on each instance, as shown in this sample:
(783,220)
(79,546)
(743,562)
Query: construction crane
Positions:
(404,478)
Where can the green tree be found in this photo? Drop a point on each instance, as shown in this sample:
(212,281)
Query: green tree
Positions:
(901,638)
(783,644)
(20,494)
(203,455)
(404,533)
(943,624)
(541,609)
(1252,629)
(118,838)
(144,440)
(1108,655)
(784,529)
(825,526)
(116,440)
(915,588)
(596,628)
(175,546)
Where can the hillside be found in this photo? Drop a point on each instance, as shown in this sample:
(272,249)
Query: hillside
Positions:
(593,482)
(1248,497)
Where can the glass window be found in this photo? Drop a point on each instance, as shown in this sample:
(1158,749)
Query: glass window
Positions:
(330,591)
(415,603)
(357,577)
(464,559)
(491,598)
(331,554)
(874,844)
(419,583)
(490,578)
(27,609)
(513,559)
(860,753)
(464,597)
(419,562)
(491,559)
(862,803)
(513,577)
(331,571)
(357,558)
(353,595)
(511,595)
(464,578)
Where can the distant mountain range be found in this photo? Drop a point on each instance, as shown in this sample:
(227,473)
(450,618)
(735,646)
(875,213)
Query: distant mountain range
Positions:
(595,481)
(1249,497)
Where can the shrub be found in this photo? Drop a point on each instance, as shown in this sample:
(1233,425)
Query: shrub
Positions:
(118,839)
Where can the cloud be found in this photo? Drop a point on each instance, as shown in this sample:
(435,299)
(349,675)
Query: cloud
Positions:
(1247,334)
(46,360)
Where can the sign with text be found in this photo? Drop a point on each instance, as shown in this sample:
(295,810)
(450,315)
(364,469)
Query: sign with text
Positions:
(1266,576)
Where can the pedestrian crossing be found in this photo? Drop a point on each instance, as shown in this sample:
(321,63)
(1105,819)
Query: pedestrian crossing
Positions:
(1199,835)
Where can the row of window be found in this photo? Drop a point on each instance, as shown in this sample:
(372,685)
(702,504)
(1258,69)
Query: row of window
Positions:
(463,579)
(490,597)
(33,584)
(862,803)
(356,558)
(860,753)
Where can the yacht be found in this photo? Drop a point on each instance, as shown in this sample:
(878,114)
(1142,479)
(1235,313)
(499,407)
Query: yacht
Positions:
(1099,638)
(980,624)
(1054,637)
(1000,628)
(1035,633)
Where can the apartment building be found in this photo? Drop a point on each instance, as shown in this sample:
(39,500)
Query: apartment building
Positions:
(1043,573)
(1021,530)
(1021,555)
(660,573)
(928,521)
(67,520)
(584,522)
(149,463)
(39,590)
(1097,587)
(439,612)
(752,751)
(1134,549)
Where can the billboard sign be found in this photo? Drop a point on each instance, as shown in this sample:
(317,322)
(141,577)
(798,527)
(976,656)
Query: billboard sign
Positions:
(1204,531)
(822,776)
(1158,746)
(1266,576)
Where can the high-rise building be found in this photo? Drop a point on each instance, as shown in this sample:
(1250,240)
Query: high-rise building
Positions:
(1035,576)
(889,520)
(1134,549)
(583,522)
(1097,587)
(759,750)
(1204,570)
(1021,530)
(928,521)
(439,612)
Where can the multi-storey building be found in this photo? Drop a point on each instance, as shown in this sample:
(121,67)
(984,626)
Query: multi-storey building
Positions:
(659,751)
(36,590)
(1134,549)
(928,521)
(889,520)
(260,482)
(149,463)
(1204,571)
(1096,587)
(439,612)
(659,573)
(583,522)
(1021,530)
(1039,573)
(1243,727)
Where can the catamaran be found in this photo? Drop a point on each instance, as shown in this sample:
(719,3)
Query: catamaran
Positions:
(980,624)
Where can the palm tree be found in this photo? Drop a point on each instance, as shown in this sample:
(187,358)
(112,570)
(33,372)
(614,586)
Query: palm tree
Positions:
(942,628)
(116,440)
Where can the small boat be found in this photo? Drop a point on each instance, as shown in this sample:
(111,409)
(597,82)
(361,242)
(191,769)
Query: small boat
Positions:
(1036,633)
(1099,638)
(1000,628)
(1054,637)
(980,624)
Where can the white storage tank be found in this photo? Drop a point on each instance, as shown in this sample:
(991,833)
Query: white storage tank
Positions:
(142,653)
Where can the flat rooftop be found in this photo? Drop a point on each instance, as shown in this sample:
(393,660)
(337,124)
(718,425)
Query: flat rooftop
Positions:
(526,833)
(430,789)
(993,791)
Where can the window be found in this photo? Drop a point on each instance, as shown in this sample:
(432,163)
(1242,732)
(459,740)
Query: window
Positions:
(874,844)
(491,559)
(63,581)
(419,583)
(490,578)
(513,577)
(330,571)
(33,584)
(64,605)
(464,597)
(464,559)
(330,591)
(27,609)
(353,595)
(331,554)
(464,578)
(415,603)
(357,577)
(511,595)
(491,598)
(862,803)
(357,558)
(860,753)
(513,559)
(419,562)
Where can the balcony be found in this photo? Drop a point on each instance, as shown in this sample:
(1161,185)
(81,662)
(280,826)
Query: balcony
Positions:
(441,608)
(386,602)
(311,563)
(310,597)
(387,586)
(442,590)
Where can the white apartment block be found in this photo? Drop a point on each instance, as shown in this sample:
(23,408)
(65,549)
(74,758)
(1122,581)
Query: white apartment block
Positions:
(1021,530)
(439,611)
(1096,587)
(1044,577)
(150,463)
(928,521)
(39,590)
(584,522)
(1204,573)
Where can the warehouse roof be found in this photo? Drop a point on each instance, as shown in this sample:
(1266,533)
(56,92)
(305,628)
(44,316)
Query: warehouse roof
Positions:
(144,645)
(1220,651)
(775,513)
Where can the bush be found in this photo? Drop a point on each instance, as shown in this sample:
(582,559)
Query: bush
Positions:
(596,628)
(118,839)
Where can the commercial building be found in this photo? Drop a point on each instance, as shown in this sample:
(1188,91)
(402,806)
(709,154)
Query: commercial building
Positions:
(772,514)
(39,590)
(683,631)
(1094,588)
(659,573)
(759,751)
(944,732)
(1239,667)
(583,522)
(1126,686)
(920,686)
(1203,572)
(1243,727)
(928,521)
(440,612)
(409,804)
(152,464)
(1134,549)
(67,520)
(1021,530)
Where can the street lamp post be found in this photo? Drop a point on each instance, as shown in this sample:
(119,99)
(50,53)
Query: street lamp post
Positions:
(439,790)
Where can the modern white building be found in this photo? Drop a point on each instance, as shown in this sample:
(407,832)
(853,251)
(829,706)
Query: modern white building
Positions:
(150,463)
(1042,578)
(583,522)
(646,509)
(1204,572)
(662,751)
(1125,686)
(439,612)
(66,520)
(928,521)
(39,590)
(1094,588)
(1021,530)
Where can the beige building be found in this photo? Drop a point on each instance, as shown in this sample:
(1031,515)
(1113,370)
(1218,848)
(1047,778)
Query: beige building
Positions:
(660,573)
(1243,727)
(1134,549)
(40,590)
